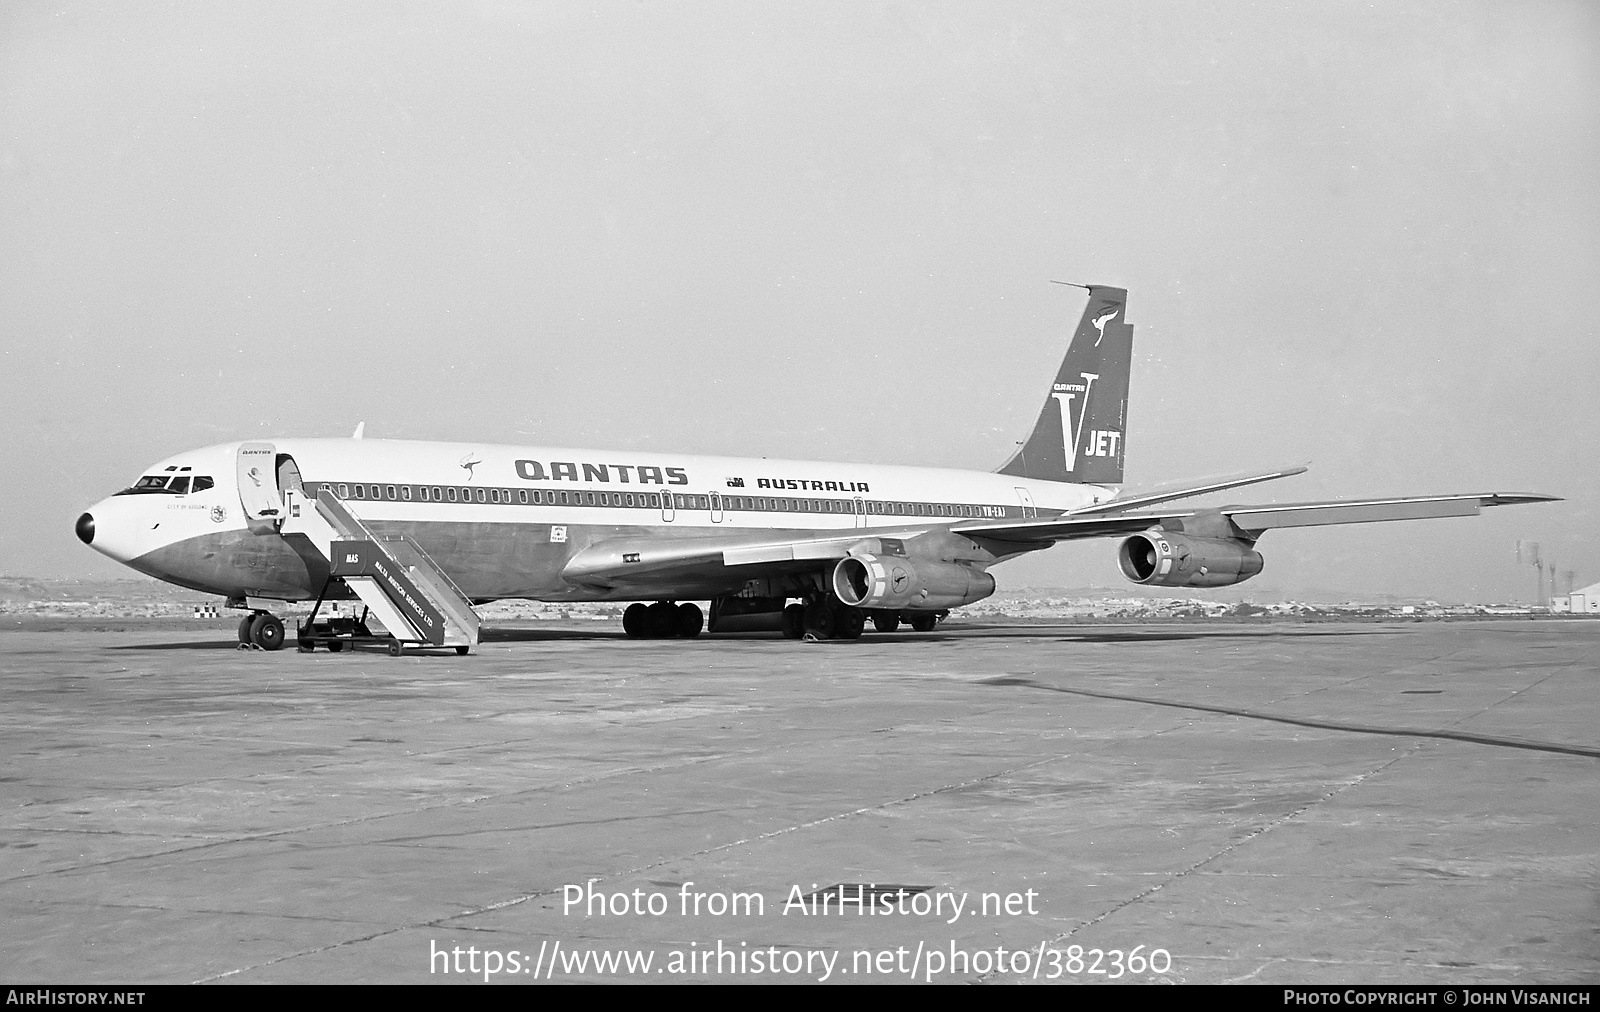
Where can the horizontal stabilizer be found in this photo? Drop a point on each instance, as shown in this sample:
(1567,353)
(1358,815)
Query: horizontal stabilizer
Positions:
(1186,489)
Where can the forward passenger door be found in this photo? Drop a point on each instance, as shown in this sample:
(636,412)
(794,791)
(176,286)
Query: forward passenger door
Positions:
(257,475)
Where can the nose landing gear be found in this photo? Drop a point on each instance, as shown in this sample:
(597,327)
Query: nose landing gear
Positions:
(262,630)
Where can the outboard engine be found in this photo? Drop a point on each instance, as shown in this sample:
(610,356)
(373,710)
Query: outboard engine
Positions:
(1161,559)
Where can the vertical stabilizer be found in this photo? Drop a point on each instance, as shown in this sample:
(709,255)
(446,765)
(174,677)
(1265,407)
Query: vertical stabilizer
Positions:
(1079,434)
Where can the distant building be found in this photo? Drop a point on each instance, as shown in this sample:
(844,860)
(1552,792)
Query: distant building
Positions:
(1585,601)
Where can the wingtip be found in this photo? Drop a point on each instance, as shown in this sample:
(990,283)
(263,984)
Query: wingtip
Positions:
(1287,470)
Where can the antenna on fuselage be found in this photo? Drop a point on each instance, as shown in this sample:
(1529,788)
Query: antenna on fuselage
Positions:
(1069,284)
(361,427)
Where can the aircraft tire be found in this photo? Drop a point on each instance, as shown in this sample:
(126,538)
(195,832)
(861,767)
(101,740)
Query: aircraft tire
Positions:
(690,621)
(244,627)
(850,624)
(821,620)
(886,621)
(794,621)
(636,621)
(924,623)
(266,631)
(661,615)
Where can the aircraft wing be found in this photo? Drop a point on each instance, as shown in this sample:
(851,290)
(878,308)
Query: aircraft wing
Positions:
(645,560)
(1250,521)
(610,563)
(716,557)
(624,561)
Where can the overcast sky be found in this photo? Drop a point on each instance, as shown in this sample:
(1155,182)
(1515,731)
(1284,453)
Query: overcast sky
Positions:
(1361,235)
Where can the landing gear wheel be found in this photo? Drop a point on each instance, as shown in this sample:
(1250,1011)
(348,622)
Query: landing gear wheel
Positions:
(924,623)
(662,620)
(821,620)
(244,627)
(394,648)
(794,621)
(886,622)
(850,623)
(689,621)
(636,621)
(266,631)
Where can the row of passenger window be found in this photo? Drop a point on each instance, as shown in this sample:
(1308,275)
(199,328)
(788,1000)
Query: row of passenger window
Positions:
(653,500)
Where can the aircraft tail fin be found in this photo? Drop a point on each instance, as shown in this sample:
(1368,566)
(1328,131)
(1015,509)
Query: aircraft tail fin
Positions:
(1079,434)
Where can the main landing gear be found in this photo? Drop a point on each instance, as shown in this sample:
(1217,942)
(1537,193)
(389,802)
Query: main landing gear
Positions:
(262,630)
(820,618)
(662,620)
(824,618)
(829,618)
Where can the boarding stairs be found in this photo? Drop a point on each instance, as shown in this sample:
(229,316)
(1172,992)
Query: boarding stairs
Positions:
(400,585)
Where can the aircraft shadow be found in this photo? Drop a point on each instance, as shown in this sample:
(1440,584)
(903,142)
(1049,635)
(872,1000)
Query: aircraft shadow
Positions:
(521,635)
(489,634)
(1158,637)
(229,644)
(1118,636)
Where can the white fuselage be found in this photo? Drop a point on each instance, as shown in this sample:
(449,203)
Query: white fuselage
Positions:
(504,519)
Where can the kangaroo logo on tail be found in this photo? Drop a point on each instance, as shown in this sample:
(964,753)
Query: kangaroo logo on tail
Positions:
(1079,434)
(1100,324)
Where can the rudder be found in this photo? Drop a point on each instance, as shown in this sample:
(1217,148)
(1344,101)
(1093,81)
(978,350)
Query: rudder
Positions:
(1079,434)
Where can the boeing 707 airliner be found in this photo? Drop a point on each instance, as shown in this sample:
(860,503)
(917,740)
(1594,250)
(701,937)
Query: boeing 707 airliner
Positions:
(422,531)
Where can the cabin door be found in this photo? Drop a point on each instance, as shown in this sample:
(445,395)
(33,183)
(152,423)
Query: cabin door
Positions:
(258,486)
(1028,510)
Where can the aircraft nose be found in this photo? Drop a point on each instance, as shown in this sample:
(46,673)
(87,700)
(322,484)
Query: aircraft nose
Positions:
(85,528)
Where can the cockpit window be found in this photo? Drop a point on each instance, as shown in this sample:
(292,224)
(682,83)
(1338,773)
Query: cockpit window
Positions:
(168,484)
(148,484)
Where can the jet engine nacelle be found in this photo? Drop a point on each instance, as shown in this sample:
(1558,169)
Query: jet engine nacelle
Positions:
(890,581)
(1160,559)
